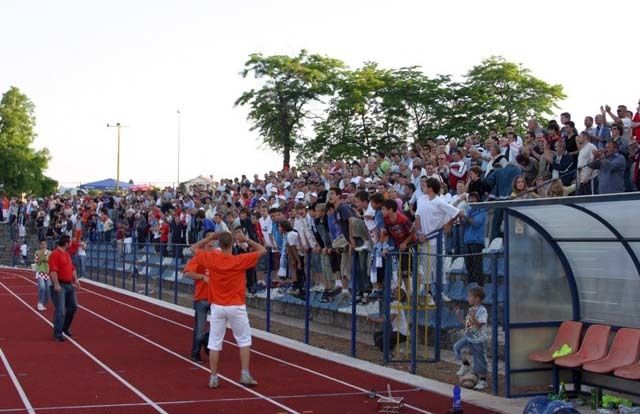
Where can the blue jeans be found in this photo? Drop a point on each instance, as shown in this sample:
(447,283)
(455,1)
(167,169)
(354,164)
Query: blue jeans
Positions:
(478,351)
(201,307)
(66,303)
(44,285)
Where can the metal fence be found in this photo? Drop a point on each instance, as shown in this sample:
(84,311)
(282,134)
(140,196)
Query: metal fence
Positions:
(155,270)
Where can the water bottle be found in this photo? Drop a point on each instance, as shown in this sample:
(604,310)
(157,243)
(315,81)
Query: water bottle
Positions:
(457,401)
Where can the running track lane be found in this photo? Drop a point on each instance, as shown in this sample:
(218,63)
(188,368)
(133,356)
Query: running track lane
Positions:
(43,366)
(320,376)
(161,376)
(300,374)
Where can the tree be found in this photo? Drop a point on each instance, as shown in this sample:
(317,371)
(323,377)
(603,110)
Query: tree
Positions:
(279,108)
(22,167)
(427,101)
(498,92)
(364,115)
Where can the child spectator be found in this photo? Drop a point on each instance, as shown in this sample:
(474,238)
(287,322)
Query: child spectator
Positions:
(24,251)
(474,338)
(42,275)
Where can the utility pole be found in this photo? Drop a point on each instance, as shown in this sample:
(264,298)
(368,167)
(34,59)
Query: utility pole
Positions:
(117,126)
(178,178)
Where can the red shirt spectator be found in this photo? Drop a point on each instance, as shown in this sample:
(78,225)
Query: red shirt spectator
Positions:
(400,229)
(60,262)
(73,247)
(164,233)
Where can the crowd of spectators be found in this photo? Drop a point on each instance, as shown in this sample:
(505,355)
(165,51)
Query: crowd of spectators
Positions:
(339,211)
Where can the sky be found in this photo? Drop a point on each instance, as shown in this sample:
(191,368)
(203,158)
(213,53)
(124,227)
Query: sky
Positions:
(86,63)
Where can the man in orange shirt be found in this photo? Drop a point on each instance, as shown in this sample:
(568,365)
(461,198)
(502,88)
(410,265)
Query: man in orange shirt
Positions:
(200,300)
(227,282)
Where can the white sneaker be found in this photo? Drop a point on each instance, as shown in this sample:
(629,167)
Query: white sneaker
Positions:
(248,380)
(214,382)
(41,307)
(481,385)
(464,370)
(446,298)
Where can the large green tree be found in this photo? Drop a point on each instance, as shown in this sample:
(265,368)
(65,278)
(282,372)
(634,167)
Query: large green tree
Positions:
(497,93)
(364,115)
(280,106)
(22,166)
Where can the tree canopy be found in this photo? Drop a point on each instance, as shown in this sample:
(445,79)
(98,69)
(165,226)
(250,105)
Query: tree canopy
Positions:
(22,166)
(317,107)
(280,107)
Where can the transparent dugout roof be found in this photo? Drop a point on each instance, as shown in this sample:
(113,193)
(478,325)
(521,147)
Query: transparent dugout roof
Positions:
(600,238)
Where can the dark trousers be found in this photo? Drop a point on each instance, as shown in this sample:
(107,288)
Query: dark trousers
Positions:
(66,304)
(474,263)
(395,338)
(201,308)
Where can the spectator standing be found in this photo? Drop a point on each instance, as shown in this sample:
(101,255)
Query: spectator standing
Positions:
(42,275)
(63,292)
(611,166)
(201,306)
(475,223)
(587,176)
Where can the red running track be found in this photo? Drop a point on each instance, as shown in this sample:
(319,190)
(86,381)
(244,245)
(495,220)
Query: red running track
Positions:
(130,356)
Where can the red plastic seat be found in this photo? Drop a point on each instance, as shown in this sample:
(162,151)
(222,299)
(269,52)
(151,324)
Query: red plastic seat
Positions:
(631,372)
(624,351)
(568,333)
(594,347)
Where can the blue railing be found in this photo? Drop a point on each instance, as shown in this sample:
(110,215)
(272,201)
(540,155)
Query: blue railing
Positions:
(160,267)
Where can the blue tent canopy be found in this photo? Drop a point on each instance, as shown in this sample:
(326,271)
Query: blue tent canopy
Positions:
(108,184)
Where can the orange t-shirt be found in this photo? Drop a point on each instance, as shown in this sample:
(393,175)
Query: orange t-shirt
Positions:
(201,291)
(227,275)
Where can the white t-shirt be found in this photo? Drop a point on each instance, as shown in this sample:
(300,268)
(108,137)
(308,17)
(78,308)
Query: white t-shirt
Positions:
(265,225)
(585,156)
(23,250)
(434,214)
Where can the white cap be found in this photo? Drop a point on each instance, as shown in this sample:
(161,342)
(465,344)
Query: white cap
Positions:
(313,195)
(300,196)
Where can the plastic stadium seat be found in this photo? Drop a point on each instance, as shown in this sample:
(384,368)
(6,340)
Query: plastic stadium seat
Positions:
(568,333)
(594,347)
(624,351)
(495,245)
(631,372)
(456,290)
(458,267)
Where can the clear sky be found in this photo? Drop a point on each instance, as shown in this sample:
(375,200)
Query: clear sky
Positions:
(86,63)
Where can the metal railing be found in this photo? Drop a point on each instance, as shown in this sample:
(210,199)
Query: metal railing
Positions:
(155,270)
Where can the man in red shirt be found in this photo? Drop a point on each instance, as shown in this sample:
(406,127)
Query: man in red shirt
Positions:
(63,290)
(226,281)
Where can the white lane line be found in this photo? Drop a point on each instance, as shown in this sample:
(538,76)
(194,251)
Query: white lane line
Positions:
(305,369)
(16,383)
(203,401)
(310,371)
(167,350)
(93,357)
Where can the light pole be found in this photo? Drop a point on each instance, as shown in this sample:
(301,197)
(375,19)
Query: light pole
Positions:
(178,178)
(117,126)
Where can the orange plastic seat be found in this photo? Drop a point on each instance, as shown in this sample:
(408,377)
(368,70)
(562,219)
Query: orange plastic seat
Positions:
(568,333)
(594,347)
(624,351)
(631,372)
